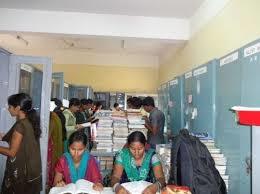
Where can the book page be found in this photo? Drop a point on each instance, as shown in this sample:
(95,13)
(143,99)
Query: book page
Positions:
(136,187)
(84,186)
(69,188)
(88,124)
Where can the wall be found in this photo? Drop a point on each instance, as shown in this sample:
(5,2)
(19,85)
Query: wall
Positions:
(111,78)
(237,24)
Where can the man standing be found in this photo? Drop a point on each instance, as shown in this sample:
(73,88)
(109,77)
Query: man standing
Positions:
(155,123)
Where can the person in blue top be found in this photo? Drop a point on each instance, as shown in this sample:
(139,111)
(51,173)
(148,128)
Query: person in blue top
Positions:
(135,163)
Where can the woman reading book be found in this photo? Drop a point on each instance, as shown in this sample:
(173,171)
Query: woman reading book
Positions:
(135,163)
(77,164)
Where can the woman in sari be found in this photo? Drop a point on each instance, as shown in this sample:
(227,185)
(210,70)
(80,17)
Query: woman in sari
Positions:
(23,172)
(135,163)
(77,164)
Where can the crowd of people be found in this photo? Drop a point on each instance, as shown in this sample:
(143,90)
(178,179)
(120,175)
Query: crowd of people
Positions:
(69,144)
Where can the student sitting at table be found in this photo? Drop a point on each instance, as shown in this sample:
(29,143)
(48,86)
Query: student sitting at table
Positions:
(135,163)
(77,164)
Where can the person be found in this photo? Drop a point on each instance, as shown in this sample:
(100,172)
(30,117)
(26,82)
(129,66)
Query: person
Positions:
(135,163)
(83,116)
(55,146)
(58,110)
(116,107)
(70,118)
(155,123)
(77,164)
(23,172)
(129,103)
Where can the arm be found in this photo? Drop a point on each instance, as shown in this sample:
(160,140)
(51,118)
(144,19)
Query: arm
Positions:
(14,145)
(152,128)
(115,180)
(67,126)
(58,180)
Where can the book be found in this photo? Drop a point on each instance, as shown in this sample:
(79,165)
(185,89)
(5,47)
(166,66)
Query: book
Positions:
(136,187)
(81,186)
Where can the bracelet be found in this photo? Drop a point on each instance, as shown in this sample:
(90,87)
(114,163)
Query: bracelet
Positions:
(159,186)
(115,186)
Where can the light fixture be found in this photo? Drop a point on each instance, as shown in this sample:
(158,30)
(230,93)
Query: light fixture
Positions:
(19,37)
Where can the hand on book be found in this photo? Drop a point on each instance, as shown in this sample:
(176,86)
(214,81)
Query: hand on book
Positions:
(98,186)
(121,190)
(60,183)
(151,189)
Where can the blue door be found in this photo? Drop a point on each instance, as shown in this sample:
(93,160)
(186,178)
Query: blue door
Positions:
(204,98)
(189,100)
(250,65)
(228,132)
(176,121)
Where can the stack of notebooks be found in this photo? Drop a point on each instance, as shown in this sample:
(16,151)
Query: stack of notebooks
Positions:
(135,121)
(219,158)
(104,131)
(120,130)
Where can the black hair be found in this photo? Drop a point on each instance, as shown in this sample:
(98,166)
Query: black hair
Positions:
(74,102)
(148,101)
(78,136)
(116,105)
(98,104)
(84,101)
(25,102)
(57,102)
(89,101)
(136,102)
(136,136)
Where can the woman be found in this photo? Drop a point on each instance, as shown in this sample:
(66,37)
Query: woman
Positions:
(70,119)
(77,164)
(23,165)
(135,163)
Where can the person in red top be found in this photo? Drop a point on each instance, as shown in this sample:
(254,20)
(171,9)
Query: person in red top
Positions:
(77,164)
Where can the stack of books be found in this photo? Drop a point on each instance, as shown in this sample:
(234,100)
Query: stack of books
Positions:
(120,130)
(104,131)
(135,121)
(219,158)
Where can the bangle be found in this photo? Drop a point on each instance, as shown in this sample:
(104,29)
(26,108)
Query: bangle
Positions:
(159,186)
(115,186)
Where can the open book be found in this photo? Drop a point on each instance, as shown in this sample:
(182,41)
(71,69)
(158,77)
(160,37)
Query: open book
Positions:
(81,186)
(136,187)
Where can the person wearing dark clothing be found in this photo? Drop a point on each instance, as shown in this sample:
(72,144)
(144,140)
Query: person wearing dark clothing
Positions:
(23,172)
(155,122)
(58,110)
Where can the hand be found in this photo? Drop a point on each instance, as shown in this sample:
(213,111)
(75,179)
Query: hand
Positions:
(60,183)
(78,126)
(1,136)
(121,190)
(98,187)
(151,189)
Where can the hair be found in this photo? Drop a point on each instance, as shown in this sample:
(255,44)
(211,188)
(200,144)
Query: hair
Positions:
(136,102)
(78,136)
(148,101)
(25,102)
(89,101)
(136,136)
(116,105)
(74,102)
(84,101)
(98,104)
(57,102)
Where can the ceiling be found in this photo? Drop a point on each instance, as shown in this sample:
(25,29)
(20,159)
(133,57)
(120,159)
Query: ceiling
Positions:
(154,8)
(49,44)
